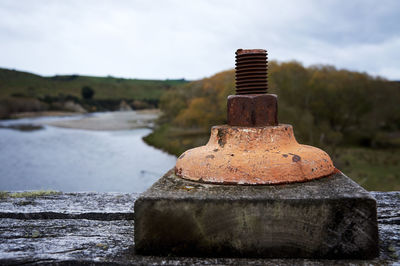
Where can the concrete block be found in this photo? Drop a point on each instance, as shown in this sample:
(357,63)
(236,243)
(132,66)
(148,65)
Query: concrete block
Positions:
(331,218)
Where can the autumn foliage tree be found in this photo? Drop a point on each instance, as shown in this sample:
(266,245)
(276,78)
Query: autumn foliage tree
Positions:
(326,106)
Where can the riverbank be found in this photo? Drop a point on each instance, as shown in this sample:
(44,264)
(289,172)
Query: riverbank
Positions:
(102,121)
(42,114)
(111,121)
(174,140)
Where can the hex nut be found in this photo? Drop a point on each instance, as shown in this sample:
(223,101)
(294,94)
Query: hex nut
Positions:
(253,110)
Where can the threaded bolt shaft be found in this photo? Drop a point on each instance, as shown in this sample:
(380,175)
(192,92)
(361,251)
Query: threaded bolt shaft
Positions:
(251,71)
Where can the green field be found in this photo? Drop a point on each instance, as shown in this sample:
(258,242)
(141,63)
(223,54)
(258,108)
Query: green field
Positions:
(17,83)
(374,169)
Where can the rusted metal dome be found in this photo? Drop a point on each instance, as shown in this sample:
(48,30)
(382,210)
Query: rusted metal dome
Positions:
(253,155)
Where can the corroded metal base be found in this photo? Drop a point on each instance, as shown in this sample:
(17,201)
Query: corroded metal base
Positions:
(253,155)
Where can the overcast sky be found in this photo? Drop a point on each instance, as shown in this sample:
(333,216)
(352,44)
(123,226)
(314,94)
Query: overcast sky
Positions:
(194,39)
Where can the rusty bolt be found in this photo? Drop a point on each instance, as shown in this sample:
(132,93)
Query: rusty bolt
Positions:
(252,106)
(253,148)
(251,71)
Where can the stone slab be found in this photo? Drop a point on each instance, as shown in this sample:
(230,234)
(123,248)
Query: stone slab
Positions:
(83,205)
(108,239)
(331,217)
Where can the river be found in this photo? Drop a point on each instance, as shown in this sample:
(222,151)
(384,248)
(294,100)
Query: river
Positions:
(72,160)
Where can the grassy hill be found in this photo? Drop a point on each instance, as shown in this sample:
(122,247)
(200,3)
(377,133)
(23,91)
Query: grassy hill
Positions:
(18,83)
(27,92)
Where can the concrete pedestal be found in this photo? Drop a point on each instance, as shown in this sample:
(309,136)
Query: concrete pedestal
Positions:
(331,217)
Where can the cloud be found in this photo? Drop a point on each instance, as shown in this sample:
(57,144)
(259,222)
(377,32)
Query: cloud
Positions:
(194,39)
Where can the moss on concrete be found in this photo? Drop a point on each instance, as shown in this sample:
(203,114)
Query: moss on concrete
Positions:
(28,194)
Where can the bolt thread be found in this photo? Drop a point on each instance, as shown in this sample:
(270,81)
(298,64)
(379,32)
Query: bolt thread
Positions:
(251,71)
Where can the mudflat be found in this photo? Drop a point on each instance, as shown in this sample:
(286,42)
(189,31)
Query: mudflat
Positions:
(122,120)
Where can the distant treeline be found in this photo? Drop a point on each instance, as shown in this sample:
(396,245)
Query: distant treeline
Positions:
(326,106)
(25,92)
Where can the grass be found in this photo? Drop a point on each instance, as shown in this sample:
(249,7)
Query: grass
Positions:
(374,169)
(28,194)
(175,140)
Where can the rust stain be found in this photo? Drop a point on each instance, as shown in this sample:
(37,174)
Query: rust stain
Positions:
(221,138)
(178,171)
(296,158)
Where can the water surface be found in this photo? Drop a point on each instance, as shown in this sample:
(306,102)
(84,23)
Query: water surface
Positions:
(79,160)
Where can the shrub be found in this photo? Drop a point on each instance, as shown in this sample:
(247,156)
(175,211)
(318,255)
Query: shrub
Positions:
(87,93)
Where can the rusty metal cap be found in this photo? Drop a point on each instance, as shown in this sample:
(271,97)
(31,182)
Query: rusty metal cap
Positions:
(253,155)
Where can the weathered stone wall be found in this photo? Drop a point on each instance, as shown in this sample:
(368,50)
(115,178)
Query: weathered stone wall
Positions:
(97,228)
